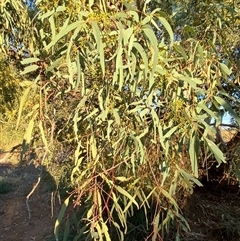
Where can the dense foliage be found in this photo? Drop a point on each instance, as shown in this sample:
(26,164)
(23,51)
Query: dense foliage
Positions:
(128,90)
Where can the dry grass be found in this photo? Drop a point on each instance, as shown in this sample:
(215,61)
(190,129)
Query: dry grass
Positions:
(9,136)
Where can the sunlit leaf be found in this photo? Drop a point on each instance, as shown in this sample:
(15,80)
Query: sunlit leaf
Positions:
(62,33)
(225,69)
(30,69)
(29,60)
(60,217)
(215,150)
(97,35)
(125,193)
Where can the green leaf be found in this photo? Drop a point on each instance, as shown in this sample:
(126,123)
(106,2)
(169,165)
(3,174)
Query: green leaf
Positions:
(170,132)
(28,133)
(143,55)
(49,13)
(167,26)
(202,106)
(22,103)
(119,210)
(225,104)
(200,51)
(116,116)
(105,231)
(165,172)
(95,111)
(123,179)
(126,194)
(146,20)
(29,60)
(225,69)
(52,25)
(29,69)
(193,147)
(100,48)
(215,150)
(148,31)
(168,196)
(66,230)
(60,217)
(127,34)
(26,83)
(109,129)
(180,50)
(63,33)
(190,80)
(189,177)
(93,146)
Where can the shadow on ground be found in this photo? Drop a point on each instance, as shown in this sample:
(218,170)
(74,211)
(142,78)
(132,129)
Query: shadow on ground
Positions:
(16,184)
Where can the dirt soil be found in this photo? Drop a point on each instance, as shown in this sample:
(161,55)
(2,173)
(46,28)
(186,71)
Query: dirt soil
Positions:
(16,222)
(212,213)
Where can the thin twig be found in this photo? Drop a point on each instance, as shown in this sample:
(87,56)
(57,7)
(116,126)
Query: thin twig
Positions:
(28,196)
(52,203)
(34,188)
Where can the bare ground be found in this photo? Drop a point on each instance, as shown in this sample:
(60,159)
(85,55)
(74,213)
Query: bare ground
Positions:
(16,221)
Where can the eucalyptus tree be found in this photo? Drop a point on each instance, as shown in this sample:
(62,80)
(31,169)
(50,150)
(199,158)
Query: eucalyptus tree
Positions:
(109,67)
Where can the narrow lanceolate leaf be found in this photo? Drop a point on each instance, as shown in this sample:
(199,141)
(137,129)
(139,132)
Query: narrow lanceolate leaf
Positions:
(225,104)
(30,68)
(203,106)
(116,116)
(148,31)
(66,230)
(190,177)
(127,34)
(215,150)
(127,194)
(22,103)
(193,147)
(169,197)
(100,48)
(29,60)
(63,33)
(119,210)
(143,55)
(109,129)
(49,13)
(170,132)
(123,179)
(191,81)
(28,133)
(105,231)
(119,66)
(43,137)
(52,25)
(60,217)
(165,24)
(181,50)
(93,146)
(225,69)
